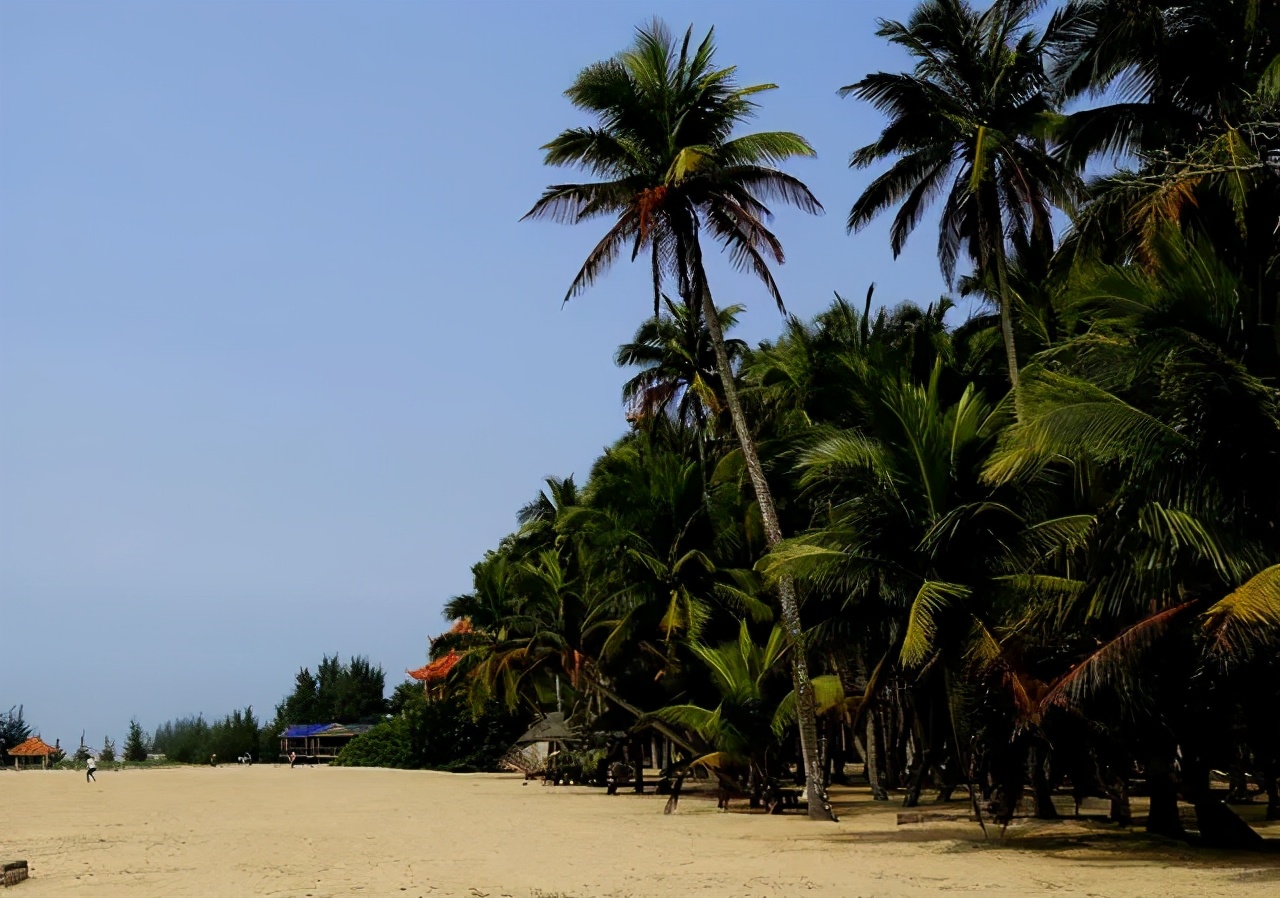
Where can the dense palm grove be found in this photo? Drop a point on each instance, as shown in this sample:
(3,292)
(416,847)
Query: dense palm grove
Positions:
(1035,551)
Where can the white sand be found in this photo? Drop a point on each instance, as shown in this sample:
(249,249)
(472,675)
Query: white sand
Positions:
(269,830)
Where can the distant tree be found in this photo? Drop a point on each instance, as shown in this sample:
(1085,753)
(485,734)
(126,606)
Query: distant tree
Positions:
(13,729)
(337,692)
(185,739)
(303,704)
(135,745)
(269,741)
(191,740)
(234,735)
(108,753)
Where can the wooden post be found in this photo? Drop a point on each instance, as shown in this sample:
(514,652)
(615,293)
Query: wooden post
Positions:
(638,754)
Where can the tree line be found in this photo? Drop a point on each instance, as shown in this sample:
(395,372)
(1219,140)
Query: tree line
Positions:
(338,692)
(1036,549)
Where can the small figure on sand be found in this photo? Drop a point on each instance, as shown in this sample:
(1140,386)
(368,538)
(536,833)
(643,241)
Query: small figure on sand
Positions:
(90,766)
(293,759)
(213,760)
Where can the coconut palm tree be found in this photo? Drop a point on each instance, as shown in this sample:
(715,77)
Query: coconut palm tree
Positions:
(671,170)
(677,365)
(1180,71)
(1151,409)
(738,730)
(968,123)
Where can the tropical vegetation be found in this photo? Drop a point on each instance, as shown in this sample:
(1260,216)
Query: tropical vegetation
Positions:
(1030,552)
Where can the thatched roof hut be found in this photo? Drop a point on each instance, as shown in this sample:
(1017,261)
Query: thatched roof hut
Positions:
(551,728)
(24,754)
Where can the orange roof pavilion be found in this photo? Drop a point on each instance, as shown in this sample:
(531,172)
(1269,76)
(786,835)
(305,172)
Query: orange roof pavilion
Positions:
(35,747)
(435,671)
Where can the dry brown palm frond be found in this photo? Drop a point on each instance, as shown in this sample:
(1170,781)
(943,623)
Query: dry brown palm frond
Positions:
(1110,663)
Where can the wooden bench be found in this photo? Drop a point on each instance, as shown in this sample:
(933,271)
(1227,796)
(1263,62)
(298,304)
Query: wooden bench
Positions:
(13,872)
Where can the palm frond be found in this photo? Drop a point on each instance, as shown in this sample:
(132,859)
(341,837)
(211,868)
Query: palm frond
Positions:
(1247,620)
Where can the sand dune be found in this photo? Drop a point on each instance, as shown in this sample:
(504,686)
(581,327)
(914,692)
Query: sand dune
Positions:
(316,833)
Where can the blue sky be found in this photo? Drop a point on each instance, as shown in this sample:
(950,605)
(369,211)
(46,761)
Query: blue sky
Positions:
(278,362)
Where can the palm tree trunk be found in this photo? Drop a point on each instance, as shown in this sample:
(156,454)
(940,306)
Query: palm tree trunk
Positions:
(806,715)
(996,264)
(1006,314)
(872,759)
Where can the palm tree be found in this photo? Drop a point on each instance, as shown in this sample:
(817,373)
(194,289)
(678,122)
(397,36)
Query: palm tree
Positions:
(1196,98)
(921,555)
(677,365)
(968,122)
(1182,71)
(1150,408)
(669,169)
(738,729)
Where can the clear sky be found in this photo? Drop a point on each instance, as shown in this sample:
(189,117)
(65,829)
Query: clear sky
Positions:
(278,362)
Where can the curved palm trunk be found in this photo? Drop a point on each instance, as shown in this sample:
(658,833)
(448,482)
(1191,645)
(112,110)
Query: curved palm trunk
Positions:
(806,716)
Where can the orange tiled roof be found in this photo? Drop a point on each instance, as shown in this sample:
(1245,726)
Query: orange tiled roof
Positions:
(461,627)
(32,748)
(437,670)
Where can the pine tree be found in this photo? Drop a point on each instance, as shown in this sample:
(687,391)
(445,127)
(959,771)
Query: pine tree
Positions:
(135,746)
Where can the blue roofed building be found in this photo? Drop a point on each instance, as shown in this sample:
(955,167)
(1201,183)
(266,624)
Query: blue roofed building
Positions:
(319,742)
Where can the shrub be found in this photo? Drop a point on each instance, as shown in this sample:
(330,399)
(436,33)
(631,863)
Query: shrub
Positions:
(436,734)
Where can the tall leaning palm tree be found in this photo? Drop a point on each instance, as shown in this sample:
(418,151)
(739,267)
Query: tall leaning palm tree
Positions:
(968,123)
(670,170)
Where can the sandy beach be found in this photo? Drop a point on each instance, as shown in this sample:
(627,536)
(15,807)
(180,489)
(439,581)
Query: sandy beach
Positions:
(316,833)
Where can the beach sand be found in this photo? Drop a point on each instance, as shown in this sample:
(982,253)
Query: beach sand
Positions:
(316,833)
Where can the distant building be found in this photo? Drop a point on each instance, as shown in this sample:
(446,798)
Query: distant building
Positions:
(32,752)
(315,742)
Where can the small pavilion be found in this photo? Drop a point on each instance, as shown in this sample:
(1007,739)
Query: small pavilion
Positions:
(25,754)
(432,675)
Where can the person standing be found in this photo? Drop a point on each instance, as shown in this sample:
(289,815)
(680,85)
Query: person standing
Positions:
(90,766)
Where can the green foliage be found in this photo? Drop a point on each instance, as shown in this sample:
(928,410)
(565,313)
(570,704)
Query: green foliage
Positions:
(440,734)
(135,744)
(13,728)
(337,693)
(108,753)
(1008,561)
(192,740)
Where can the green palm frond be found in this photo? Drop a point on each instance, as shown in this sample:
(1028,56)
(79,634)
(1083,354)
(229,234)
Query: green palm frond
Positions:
(1181,529)
(828,695)
(1061,416)
(931,601)
(848,451)
(1247,620)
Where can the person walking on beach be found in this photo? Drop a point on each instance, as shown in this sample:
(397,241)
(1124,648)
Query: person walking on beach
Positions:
(293,758)
(90,766)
